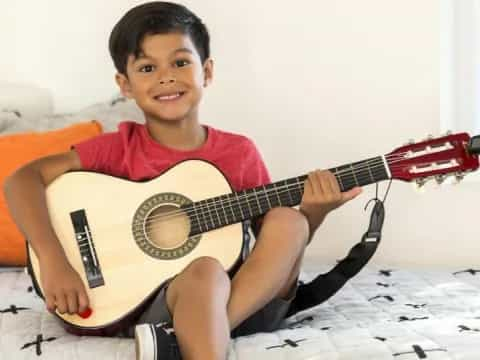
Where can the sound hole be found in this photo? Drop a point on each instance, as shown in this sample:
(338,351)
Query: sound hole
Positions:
(167,227)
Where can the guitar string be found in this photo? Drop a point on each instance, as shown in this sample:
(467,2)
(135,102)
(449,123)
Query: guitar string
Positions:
(280,190)
(255,196)
(379,164)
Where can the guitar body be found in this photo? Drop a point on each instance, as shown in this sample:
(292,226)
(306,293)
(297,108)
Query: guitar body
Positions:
(133,258)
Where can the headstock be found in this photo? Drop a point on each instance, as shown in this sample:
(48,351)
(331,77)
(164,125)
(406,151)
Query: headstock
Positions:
(435,158)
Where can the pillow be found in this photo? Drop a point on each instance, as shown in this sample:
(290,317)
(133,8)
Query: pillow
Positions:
(18,149)
(8,118)
(26,99)
(109,113)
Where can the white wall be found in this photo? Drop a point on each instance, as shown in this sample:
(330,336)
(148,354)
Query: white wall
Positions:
(314,83)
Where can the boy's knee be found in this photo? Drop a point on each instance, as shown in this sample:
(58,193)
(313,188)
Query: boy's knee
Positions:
(206,268)
(289,218)
(203,275)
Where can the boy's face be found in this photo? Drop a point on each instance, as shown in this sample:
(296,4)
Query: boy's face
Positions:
(168,78)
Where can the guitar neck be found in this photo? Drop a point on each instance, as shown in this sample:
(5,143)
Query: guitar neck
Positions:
(213,213)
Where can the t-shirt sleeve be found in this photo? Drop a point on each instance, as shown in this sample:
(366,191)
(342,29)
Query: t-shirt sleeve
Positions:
(98,153)
(254,170)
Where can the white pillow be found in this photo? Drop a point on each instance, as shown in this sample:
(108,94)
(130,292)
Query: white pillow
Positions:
(108,113)
(26,99)
(8,119)
(111,112)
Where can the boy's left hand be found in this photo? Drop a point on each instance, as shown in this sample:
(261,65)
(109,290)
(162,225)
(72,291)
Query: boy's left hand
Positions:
(321,195)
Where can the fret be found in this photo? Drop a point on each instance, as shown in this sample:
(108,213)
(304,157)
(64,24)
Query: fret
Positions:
(288,192)
(247,201)
(360,172)
(196,216)
(383,171)
(258,202)
(368,176)
(267,196)
(298,188)
(210,213)
(214,203)
(363,172)
(202,212)
(230,205)
(347,177)
(273,199)
(339,179)
(264,201)
(278,196)
(221,199)
(240,205)
(353,174)
(370,171)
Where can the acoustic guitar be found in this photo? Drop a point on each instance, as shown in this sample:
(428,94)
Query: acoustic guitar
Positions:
(126,238)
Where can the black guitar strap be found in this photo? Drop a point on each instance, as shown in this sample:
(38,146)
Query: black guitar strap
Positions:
(325,285)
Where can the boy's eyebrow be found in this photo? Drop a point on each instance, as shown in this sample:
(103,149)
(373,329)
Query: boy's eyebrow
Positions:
(183,50)
(142,55)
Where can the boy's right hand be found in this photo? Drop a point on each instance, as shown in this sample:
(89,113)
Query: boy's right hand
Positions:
(63,288)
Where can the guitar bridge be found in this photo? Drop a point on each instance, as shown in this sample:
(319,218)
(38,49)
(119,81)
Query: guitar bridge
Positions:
(86,246)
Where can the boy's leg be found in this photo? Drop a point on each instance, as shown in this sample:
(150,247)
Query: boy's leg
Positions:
(197,298)
(273,266)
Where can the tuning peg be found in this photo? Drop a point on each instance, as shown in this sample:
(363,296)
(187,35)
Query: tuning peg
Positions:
(410,142)
(440,179)
(429,137)
(459,176)
(449,132)
(420,182)
(419,185)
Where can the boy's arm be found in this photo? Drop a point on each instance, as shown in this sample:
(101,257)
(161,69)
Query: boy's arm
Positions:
(321,195)
(25,194)
(256,224)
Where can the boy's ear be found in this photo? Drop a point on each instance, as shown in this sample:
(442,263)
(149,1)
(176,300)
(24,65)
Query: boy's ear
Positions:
(124,85)
(208,72)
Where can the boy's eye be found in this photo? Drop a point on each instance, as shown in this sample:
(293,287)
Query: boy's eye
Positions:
(146,68)
(181,63)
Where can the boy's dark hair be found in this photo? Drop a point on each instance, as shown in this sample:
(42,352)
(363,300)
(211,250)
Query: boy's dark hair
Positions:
(157,17)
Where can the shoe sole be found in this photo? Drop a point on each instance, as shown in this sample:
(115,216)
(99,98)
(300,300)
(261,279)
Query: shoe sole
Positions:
(145,336)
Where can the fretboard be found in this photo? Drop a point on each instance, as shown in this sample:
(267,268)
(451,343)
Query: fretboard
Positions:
(213,213)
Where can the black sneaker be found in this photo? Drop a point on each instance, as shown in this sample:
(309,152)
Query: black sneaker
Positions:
(156,342)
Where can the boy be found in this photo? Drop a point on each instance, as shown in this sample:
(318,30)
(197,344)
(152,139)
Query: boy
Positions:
(161,52)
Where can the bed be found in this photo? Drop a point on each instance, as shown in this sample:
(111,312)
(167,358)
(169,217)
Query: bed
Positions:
(382,313)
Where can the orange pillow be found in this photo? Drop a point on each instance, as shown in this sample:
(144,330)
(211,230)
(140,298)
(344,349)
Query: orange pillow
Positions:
(15,151)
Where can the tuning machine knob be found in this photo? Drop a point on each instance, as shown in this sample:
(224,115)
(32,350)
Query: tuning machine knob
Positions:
(421,182)
(440,179)
(419,185)
(459,176)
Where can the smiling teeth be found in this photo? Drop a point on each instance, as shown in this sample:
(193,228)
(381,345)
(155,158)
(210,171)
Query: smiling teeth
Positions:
(168,97)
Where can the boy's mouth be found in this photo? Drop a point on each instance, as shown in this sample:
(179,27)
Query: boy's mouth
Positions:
(169,97)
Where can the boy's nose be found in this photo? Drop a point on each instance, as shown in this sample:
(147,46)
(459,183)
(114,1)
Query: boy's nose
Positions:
(167,80)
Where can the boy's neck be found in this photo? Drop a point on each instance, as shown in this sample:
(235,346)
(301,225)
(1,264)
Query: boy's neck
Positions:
(180,135)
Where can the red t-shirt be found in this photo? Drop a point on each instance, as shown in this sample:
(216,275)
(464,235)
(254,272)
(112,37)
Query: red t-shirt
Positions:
(133,154)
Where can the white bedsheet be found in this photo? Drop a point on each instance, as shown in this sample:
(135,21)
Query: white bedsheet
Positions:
(381,314)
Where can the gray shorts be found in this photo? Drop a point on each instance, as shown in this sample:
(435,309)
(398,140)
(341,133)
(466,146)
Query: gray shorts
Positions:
(267,319)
